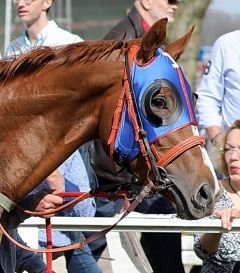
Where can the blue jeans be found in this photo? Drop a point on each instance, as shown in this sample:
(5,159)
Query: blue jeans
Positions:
(80,260)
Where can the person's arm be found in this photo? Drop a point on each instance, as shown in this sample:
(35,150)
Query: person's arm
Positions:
(213,132)
(15,217)
(55,181)
(41,201)
(211,92)
(210,241)
(76,180)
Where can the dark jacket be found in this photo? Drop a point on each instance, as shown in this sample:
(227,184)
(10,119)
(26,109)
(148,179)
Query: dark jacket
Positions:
(127,29)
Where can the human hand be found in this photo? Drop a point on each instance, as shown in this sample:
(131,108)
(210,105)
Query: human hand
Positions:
(227,215)
(46,200)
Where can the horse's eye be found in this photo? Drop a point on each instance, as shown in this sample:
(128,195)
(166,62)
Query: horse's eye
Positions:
(159,102)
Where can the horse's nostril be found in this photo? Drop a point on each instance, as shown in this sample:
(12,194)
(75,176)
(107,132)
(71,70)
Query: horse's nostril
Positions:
(203,192)
(204,196)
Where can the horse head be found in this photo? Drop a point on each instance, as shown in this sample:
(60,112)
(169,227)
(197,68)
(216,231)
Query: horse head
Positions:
(157,131)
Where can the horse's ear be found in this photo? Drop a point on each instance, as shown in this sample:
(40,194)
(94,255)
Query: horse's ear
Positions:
(176,48)
(152,40)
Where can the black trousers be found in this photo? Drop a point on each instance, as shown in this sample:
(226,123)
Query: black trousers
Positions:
(236,268)
(163,251)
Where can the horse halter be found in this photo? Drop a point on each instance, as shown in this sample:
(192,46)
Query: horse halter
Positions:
(136,127)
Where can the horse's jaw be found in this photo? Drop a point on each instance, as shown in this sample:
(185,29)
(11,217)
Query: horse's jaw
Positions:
(186,210)
(186,205)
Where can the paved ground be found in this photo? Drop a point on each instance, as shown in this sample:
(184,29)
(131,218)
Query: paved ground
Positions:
(59,265)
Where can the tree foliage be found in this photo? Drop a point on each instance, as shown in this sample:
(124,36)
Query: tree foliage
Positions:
(189,13)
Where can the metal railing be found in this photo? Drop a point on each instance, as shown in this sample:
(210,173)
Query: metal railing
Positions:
(134,222)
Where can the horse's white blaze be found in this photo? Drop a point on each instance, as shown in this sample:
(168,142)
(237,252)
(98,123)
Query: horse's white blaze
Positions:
(207,161)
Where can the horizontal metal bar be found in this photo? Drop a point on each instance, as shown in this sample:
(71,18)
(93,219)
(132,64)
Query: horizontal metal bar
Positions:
(134,222)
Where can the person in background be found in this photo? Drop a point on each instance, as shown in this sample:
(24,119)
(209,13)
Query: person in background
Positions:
(219,90)
(12,258)
(220,252)
(161,249)
(141,17)
(15,259)
(40,31)
(73,177)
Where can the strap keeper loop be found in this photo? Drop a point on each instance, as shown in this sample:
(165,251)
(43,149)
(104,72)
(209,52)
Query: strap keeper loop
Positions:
(6,203)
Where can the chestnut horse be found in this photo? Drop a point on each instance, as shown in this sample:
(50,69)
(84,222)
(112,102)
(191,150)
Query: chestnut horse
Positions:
(52,100)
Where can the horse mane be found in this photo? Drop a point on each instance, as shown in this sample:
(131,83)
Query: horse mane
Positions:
(38,58)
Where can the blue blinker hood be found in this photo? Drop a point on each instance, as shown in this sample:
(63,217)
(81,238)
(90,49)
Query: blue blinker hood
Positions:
(161,68)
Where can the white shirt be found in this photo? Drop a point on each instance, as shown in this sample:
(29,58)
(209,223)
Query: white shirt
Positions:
(51,35)
(219,91)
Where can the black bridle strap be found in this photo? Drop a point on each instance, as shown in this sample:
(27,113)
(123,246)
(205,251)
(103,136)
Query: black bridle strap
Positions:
(142,133)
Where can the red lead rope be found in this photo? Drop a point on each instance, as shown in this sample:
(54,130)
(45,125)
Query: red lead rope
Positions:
(120,194)
(49,255)
(79,196)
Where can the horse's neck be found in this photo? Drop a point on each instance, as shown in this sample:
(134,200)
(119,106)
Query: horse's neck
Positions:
(56,112)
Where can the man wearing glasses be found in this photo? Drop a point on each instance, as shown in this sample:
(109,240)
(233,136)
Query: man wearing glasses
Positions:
(142,16)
